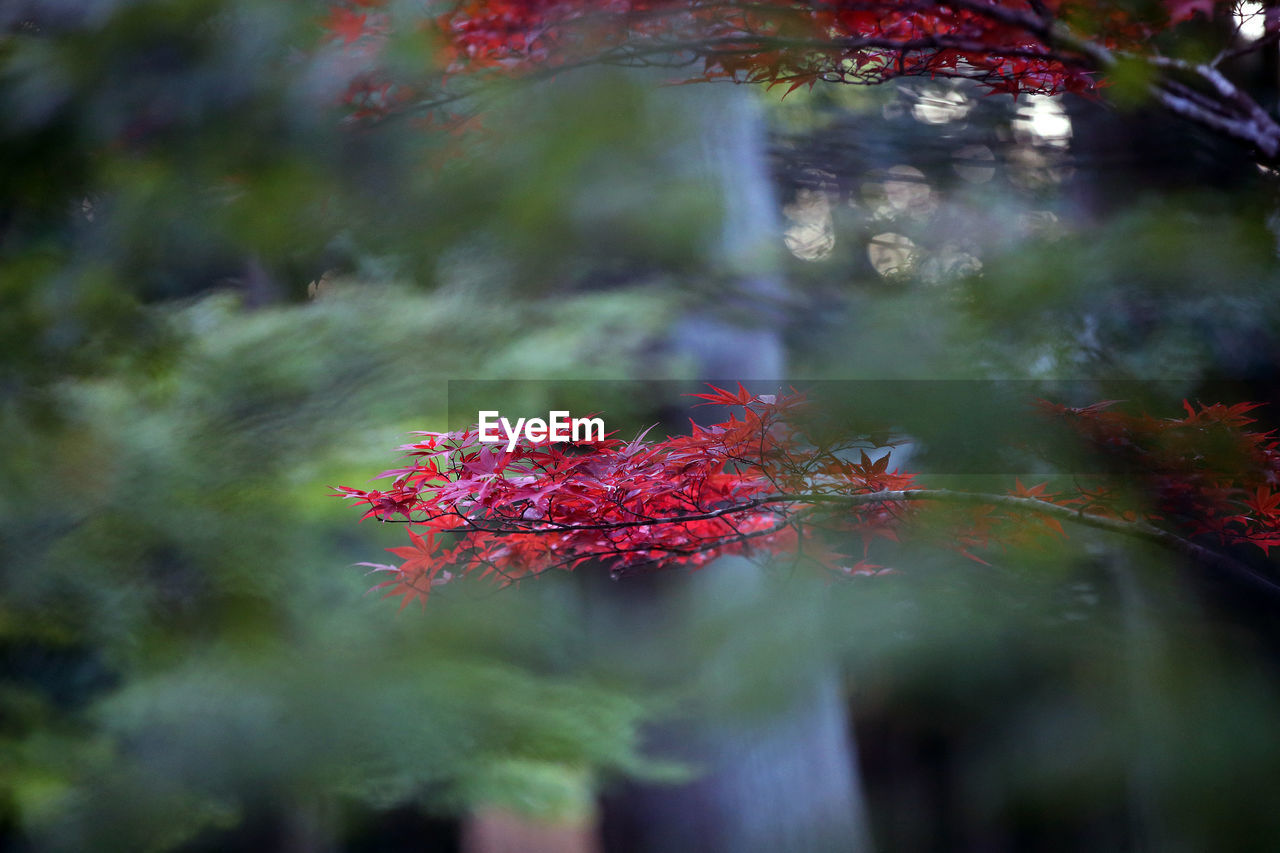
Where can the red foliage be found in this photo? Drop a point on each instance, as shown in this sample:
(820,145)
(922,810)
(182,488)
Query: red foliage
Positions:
(1207,473)
(682,501)
(1009,46)
(760,484)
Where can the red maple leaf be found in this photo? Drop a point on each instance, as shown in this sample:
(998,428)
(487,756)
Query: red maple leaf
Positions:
(346,25)
(762,486)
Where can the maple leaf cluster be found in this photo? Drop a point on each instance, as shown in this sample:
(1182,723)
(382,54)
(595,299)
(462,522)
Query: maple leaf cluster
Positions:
(763,485)
(1009,46)
(685,500)
(1208,473)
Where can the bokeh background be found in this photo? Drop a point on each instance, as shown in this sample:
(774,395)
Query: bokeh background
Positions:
(220,296)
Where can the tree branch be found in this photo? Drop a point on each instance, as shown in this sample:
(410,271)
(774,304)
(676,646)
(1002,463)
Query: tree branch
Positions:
(1139,530)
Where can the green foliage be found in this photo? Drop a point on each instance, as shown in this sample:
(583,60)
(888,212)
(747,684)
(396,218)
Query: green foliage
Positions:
(171,544)
(182,636)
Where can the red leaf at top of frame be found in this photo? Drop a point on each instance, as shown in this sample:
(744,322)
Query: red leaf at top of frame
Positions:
(721,397)
(1235,415)
(1184,10)
(1265,503)
(1037,492)
(345,24)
